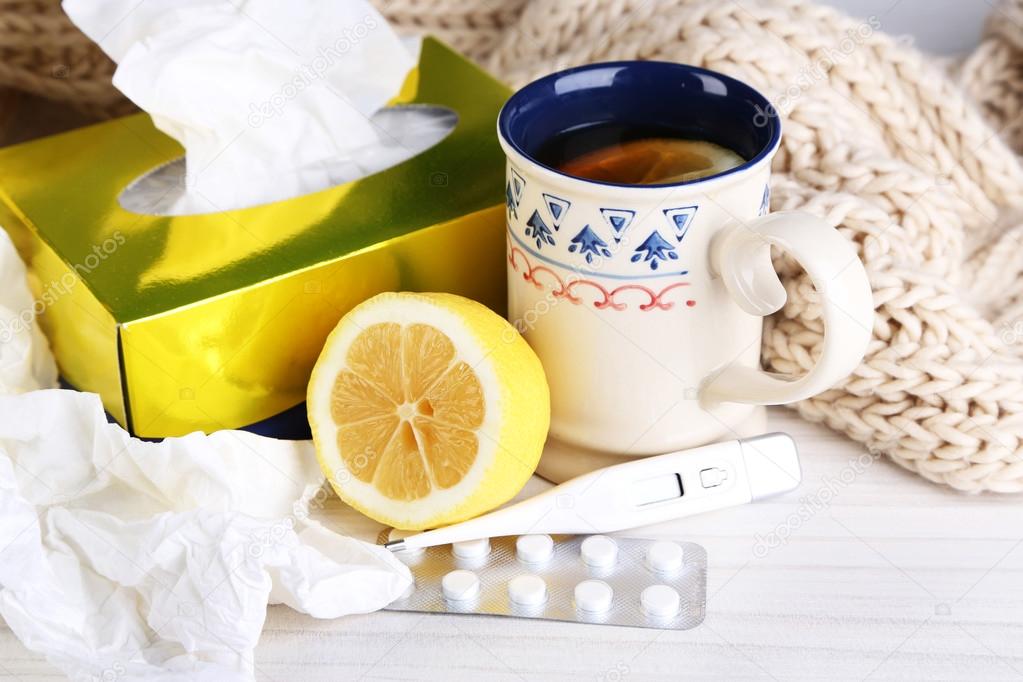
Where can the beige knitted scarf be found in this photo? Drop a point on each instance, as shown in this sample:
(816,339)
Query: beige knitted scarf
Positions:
(911,158)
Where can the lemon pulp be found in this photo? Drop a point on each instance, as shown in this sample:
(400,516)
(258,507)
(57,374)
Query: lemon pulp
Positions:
(427,409)
(406,410)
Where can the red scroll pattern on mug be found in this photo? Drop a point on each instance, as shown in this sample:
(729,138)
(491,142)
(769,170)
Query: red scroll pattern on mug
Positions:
(618,298)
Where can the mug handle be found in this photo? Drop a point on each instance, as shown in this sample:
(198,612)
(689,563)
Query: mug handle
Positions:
(741,256)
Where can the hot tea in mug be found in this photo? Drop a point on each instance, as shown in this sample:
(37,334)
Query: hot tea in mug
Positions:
(635,155)
(639,265)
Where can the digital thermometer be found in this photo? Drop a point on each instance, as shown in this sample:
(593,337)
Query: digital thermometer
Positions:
(638,493)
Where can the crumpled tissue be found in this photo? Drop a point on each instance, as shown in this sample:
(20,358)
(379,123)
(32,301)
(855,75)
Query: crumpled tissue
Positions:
(125,559)
(270,99)
(25,359)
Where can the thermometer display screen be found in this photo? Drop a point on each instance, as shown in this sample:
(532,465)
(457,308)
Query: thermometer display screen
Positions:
(658,489)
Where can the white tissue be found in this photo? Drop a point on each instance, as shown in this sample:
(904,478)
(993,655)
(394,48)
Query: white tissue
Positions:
(269,98)
(134,557)
(25,359)
(124,559)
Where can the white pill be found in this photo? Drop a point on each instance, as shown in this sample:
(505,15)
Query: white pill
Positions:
(659,601)
(593,596)
(664,556)
(460,585)
(528,590)
(599,550)
(534,549)
(471,549)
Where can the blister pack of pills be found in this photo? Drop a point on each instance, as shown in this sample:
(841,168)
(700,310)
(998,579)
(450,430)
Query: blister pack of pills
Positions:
(588,579)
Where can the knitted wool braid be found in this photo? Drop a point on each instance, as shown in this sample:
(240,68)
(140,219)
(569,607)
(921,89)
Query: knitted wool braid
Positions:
(911,159)
(43,53)
(888,147)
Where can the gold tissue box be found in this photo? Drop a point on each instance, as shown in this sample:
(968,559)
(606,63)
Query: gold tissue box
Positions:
(213,321)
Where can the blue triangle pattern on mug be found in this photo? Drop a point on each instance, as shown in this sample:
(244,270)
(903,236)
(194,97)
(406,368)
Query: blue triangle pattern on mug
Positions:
(557,207)
(589,245)
(618,219)
(653,250)
(518,184)
(680,220)
(510,201)
(537,230)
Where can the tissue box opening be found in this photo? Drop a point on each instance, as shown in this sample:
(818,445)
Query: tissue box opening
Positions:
(211,321)
(406,131)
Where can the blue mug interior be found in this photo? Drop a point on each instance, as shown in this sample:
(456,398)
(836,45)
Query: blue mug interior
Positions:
(692,102)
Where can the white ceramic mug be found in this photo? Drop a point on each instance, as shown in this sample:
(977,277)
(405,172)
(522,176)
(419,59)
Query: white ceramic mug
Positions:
(645,302)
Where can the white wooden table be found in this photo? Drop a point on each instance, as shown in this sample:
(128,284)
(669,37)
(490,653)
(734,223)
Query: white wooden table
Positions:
(882,576)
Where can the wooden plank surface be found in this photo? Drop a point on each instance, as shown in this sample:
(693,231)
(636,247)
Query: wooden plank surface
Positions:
(879,576)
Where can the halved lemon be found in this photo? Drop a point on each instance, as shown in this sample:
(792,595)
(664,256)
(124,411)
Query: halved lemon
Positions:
(427,409)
